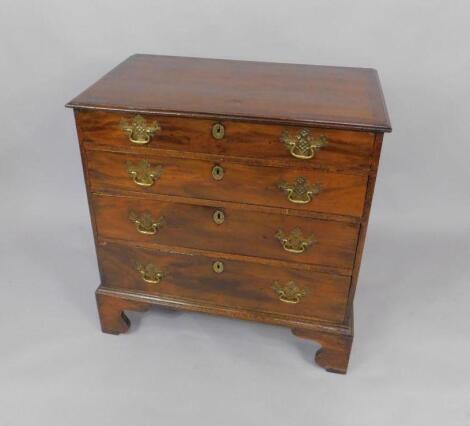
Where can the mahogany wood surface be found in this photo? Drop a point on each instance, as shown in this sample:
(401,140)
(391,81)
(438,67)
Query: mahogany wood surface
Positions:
(244,232)
(341,194)
(241,285)
(307,94)
(155,300)
(111,310)
(345,151)
(335,342)
(365,217)
(335,349)
(255,102)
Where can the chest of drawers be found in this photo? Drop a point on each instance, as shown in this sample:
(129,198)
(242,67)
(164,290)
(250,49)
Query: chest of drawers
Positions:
(233,188)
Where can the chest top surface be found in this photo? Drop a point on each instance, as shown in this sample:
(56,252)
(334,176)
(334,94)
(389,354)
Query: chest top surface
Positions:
(260,91)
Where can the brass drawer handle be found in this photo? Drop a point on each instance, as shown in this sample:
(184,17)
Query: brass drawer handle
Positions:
(142,173)
(150,273)
(288,293)
(301,191)
(138,131)
(294,241)
(303,145)
(145,223)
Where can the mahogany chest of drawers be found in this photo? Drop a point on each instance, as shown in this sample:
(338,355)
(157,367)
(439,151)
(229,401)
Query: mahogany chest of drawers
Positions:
(234,188)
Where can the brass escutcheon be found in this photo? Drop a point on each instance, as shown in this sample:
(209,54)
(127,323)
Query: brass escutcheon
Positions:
(294,241)
(303,145)
(142,173)
(218,131)
(218,172)
(288,293)
(218,267)
(301,191)
(218,217)
(150,273)
(145,223)
(138,131)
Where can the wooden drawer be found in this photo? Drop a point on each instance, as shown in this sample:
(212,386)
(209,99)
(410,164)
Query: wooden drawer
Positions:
(340,194)
(241,285)
(227,230)
(344,149)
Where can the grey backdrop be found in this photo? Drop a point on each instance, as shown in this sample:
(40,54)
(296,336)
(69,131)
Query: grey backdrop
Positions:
(410,360)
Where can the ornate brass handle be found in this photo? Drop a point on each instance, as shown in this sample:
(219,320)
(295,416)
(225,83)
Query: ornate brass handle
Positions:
(150,273)
(142,173)
(288,293)
(294,242)
(301,191)
(138,131)
(145,223)
(303,145)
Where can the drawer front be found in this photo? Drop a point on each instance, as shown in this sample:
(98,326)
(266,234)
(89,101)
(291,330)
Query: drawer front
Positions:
(240,285)
(227,230)
(338,148)
(323,192)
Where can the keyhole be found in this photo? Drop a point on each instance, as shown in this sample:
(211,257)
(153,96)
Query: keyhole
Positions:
(218,131)
(218,217)
(217,172)
(218,267)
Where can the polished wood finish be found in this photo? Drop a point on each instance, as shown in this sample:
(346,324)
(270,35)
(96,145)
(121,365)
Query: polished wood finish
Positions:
(341,194)
(248,286)
(335,349)
(255,91)
(347,151)
(365,218)
(111,310)
(255,103)
(244,232)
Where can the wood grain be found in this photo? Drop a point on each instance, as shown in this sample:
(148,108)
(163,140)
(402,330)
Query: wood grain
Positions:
(247,286)
(346,150)
(255,102)
(244,232)
(306,94)
(111,311)
(335,349)
(365,219)
(341,194)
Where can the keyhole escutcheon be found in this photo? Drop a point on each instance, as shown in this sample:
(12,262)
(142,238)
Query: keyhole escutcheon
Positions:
(218,131)
(218,217)
(218,267)
(218,172)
